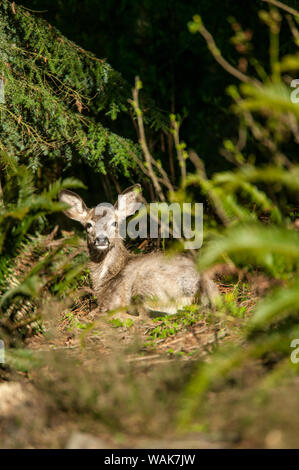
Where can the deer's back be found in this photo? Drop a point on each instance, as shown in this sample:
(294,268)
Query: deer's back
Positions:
(161,282)
(154,274)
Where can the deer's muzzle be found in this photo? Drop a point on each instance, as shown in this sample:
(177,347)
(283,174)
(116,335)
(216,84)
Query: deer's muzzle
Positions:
(102,242)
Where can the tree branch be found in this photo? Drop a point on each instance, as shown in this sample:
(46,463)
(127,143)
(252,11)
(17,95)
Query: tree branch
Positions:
(219,58)
(284,7)
(142,140)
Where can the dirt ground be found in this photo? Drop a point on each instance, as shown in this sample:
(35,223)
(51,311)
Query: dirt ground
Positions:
(109,383)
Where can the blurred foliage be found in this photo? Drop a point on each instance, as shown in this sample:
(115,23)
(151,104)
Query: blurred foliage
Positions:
(32,265)
(260,205)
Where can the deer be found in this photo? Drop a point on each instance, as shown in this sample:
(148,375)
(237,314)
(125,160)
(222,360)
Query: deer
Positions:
(120,279)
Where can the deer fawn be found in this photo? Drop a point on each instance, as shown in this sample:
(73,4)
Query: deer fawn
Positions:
(161,283)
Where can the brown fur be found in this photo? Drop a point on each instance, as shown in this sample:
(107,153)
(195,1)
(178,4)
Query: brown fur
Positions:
(120,278)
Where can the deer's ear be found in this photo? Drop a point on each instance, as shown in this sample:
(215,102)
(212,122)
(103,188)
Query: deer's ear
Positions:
(77,210)
(129,201)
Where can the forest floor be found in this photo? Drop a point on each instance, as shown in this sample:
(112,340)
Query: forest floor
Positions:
(98,383)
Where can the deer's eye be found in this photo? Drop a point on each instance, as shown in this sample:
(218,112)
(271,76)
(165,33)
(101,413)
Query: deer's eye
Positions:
(88,226)
(114,224)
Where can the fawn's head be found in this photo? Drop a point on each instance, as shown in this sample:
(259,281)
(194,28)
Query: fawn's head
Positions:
(102,223)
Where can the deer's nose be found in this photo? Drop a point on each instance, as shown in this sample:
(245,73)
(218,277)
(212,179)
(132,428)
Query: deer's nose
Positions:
(101,240)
